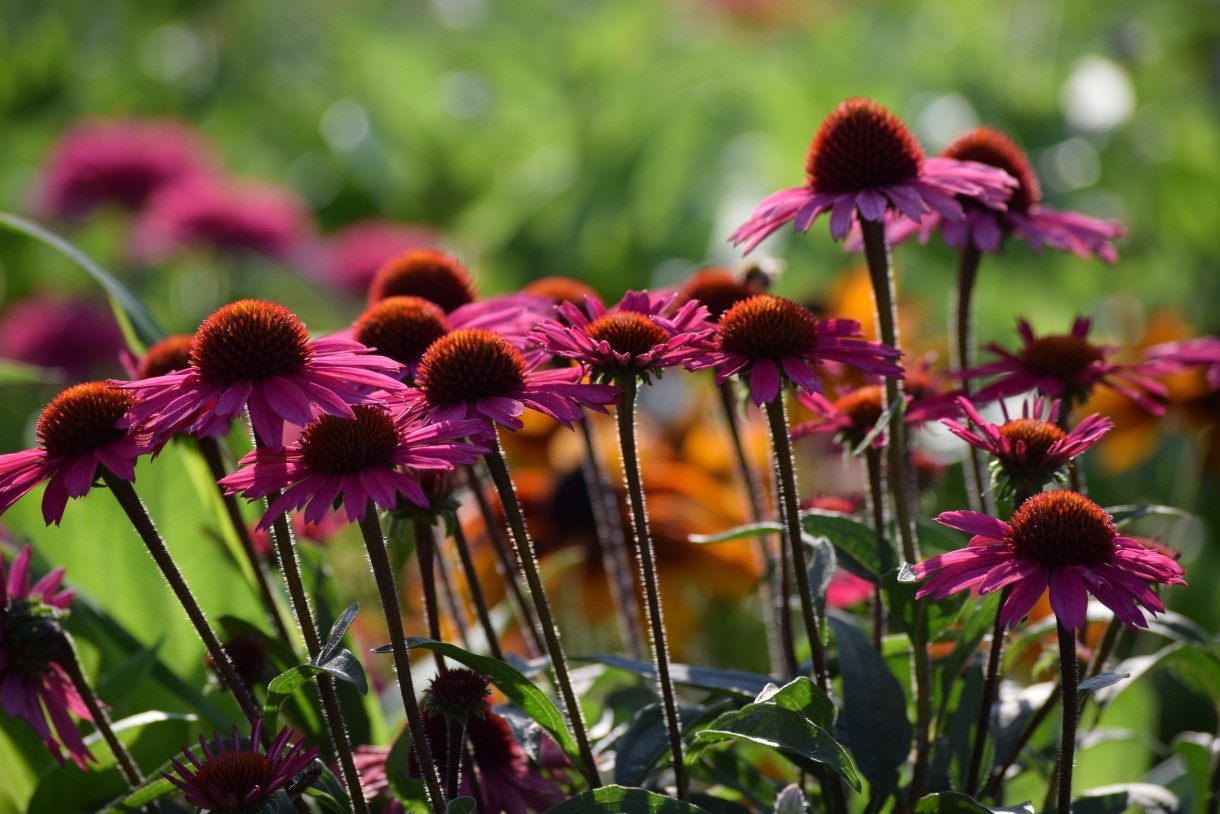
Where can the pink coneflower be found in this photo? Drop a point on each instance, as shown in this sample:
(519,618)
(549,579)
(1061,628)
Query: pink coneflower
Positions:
(1060,540)
(631,337)
(33,686)
(208,212)
(1201,352)
(258,354)
(863,161)
(237,777)
(123,162)
(351,257)
(1025,218)
(170,354)
(855,413)
(78,337)
(77,432)
(718,289)
(561,289)
(402,328)
(1068,367)
(368,457)
(476,373)
(1030,450)
(767,340)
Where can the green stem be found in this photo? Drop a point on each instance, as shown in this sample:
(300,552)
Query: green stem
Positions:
(604,503)
(476,590)
(991,682)
(962,342)
(425,552)
(498,470)
(383,573)
(648,572)
(1069,677)
(876,501)
(125,494)
(779,636)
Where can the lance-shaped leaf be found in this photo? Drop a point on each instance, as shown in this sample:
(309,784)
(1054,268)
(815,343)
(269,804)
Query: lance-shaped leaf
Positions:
(623,800)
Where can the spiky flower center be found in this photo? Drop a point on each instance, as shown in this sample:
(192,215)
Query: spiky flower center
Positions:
(1060,357)
(82,419)
(338,446)
(468,365)
(561,290)
(170,354)
(718,289)
(427,273)
(863,406)
(1059,529)
(458,694)
(227,779)
(250,341)
(401,328)
(1038,436)
(860,146)
(32,635)
(767,327)
(627,332)
(995,149)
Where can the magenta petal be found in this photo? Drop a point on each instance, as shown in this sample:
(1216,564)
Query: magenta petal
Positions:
(980,525)
(764,382)
(1069,597)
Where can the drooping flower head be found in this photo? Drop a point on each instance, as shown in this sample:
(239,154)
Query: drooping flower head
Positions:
(402,328)
(1068,367)
(632,337)
(351,257)
(259,355)
(83,428)
(239,777)
(1025,218)
(718,289)
(458,695)
(862,162)
(1029,451)
(1057,540)
(477,373)
(221,215)
(121,162)
(33,686)
(767,340)
(78,337)
(371,456)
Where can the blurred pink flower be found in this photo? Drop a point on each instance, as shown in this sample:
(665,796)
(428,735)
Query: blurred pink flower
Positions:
(79,337)
(222,215)
(351,257)
(122,161)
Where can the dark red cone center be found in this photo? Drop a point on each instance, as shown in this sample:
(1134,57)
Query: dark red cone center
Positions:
(338,446)
(427,273)
(1038,436)
(1061,357)
(250,341)
(995,149)
(1062,528)
(83,418)
(468,365)
(767,327)
(401,328)
(627,332)
(861,146)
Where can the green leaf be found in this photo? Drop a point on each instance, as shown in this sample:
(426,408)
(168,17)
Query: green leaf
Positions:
(460,805)
(821,568)
(281,688)
(856,542)
(781,728)
(952,802)
(874,716)
(1198,668)
(737,682)
(1194,749)
(14,372)
(131,312)
(802,695)
(337,631)
(1100,681)
(746,532)
(647,740)
(409,791)
(729,769)
(1125,515)
(1149,798)
(622,800)
(344,666)
(532,701)
(138,799)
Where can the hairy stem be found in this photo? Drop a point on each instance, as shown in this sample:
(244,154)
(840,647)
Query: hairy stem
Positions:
(991,681)
(476,590)
(425,552)
(876,501)
(1069,678)
(962,343)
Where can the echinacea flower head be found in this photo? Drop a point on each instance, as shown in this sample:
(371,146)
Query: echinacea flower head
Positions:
(33,686)
(371,456)
(476,373)
(258,355)
(718,289)
(205,212)
(83,428)
(1057,540)
(1025,218)
(170,354)
(76,337)
(458,695)
(428,273)
(121,162)
(1029,451)
(634,337)
(1201,352)
(768,340)
(239,777)
(402,328)
(1068,367)
(561,289)
(862,162)
(351,257)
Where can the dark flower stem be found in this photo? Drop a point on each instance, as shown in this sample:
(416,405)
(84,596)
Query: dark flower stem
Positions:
(332,712)
(211,453)
(509,571)
(498,470)
(453,603)
(779,636)
(991,681)
(125,494)
(604,503)
(101,719)
(455,734)
(476,590)
(876,500)
(425,552)
(878,257)
(383,573)
(962,342)
(648,573)
(777,421)
(1069,678)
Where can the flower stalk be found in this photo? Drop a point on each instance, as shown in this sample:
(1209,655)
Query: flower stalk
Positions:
(476,591)
(961,341)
